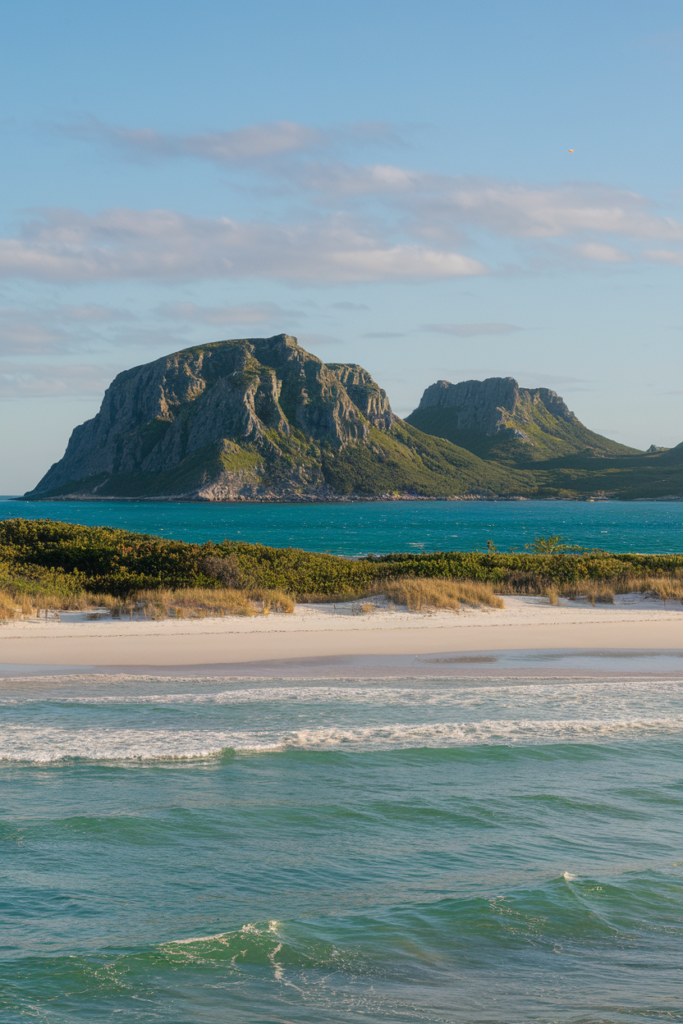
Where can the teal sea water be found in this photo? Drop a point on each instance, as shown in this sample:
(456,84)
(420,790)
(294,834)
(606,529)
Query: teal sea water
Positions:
(359,528)
(341,850)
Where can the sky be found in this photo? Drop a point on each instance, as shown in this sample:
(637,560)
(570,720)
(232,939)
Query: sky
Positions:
(450,189)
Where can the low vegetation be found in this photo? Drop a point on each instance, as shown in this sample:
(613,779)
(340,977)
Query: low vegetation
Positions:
(53,565)
(425,595)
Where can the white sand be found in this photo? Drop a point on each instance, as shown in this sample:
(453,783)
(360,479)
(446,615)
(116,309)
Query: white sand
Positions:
(312,631)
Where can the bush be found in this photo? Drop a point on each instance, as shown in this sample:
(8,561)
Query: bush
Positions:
(42,559)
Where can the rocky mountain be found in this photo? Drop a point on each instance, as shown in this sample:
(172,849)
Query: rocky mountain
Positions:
(258,418)
(497,419)
(261,419)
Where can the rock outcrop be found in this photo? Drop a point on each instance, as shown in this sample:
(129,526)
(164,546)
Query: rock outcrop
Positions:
(242,404)
(494,406)
(255,419)
(260,419)
(496,418)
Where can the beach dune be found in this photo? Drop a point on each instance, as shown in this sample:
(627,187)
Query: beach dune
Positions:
(325,631)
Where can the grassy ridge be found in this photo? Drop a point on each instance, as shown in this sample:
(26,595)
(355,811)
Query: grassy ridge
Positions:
(61,559)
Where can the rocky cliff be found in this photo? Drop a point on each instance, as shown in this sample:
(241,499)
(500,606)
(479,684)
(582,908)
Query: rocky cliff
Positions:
(261,419)
(255,418)
(496,418)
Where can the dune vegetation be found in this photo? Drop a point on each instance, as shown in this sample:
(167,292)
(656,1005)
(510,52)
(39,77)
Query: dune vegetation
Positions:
(60,566)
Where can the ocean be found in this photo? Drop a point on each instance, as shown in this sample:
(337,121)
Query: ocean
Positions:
(360,528)
(402,849)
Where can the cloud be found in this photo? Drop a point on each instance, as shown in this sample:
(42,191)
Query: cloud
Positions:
(360,222)
(602,253)
(665,256)
(470,330)
(54,329)
(241,146)
(67,245)
(349,305)
(383,334)
(17,381)
(440,205)
(93,314)
(24,333)
(251,313)
(314,340)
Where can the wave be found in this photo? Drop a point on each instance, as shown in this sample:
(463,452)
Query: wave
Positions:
(436,691)
(545,931)
(46,744)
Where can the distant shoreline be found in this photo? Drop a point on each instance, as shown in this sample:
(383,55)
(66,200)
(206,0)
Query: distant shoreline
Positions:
(343,499)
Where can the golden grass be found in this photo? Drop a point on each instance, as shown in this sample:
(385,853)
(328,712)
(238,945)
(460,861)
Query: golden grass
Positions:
(417,594)
(192,602)
(427,594)
(196,602)
(667,588)
(8,607)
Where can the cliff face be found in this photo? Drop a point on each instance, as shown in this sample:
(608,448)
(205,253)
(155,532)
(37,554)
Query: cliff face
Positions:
(256,419)
(261,419)
(495,405)
(237,410)
(496,418)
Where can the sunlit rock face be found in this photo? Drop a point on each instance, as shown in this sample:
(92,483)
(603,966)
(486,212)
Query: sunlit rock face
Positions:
(243,406)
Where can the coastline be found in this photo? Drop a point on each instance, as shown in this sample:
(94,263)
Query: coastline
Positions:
(344,499)
(342,633)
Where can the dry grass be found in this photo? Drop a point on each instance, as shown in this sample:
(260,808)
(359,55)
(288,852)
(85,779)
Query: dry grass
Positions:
(8,607)
(667,588)
(193,602)
(426,594)
(196,603)
(553,595)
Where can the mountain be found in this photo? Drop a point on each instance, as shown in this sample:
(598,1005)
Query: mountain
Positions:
(260,419)
(497,419)
(533,431)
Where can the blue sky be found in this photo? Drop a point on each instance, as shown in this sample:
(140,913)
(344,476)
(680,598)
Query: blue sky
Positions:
(391,182)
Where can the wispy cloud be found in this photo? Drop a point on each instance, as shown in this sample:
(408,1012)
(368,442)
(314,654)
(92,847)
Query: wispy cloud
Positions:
(358,222)
(26,333)
(471,330)
(440,205)
(250,313)
(602,253)
(313,341)
(665,256)
(44,381)
(67,245)
(242,146)
(54,330)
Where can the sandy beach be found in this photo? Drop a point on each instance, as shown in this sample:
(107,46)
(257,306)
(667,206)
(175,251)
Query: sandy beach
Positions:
(329,631)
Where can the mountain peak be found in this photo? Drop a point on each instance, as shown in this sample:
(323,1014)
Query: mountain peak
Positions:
(496,418)
(493,406)
(219,411)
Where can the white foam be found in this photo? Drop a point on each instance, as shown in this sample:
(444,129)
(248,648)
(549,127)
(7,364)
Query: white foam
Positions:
(45,744)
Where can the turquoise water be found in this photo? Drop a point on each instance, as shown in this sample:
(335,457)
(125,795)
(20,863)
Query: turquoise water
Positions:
(400,850)
(359,528)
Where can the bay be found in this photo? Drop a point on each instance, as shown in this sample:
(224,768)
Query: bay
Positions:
(359,528)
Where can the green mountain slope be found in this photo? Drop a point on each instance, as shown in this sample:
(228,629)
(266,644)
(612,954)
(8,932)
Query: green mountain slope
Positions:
(259,419)
(496,419)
